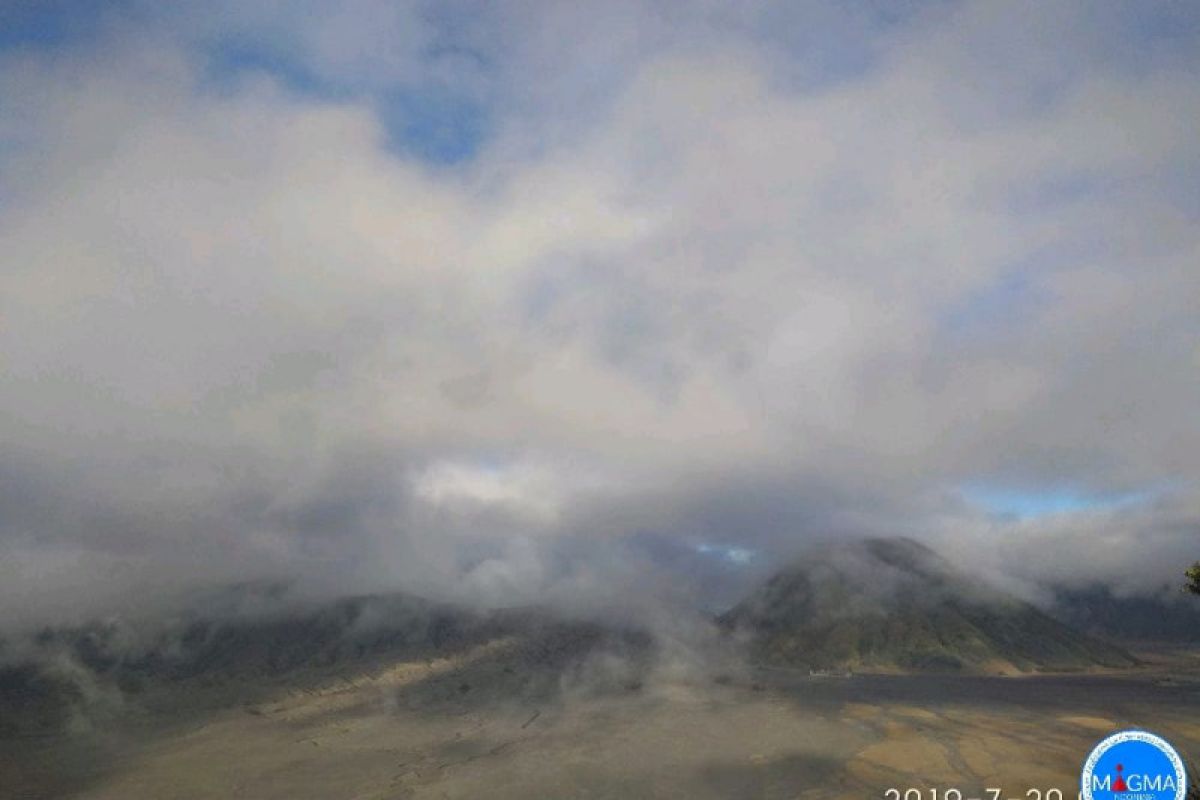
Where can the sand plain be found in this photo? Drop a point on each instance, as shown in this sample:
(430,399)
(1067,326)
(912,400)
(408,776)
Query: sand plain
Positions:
(472,727)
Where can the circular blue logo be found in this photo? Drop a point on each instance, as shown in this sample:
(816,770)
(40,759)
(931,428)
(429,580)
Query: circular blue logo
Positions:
(1133,765)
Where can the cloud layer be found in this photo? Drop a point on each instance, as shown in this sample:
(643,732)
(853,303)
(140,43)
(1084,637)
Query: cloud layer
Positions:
(480,301)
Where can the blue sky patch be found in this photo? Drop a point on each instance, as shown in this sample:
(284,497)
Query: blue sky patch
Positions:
(431,123)
(1029,503)
(52,23)
(435,125)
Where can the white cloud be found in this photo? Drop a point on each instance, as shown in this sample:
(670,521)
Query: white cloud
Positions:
(696,298)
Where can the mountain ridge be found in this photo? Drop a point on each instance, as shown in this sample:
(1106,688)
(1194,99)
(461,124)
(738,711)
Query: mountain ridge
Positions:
(896,605)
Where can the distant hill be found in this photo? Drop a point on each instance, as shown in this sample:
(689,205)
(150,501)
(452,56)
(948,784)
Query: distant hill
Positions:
(1168,616)
(894,604)
(59,678)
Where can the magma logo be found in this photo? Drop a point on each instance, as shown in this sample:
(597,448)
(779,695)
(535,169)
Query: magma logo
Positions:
(1133,765)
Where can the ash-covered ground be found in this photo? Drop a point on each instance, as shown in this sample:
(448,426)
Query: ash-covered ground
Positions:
(429,701)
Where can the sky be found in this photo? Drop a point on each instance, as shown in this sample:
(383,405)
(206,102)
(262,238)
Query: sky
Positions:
(581,303)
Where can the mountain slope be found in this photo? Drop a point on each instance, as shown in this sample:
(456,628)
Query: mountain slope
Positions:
(69,678)
(1168,617)
(894,604)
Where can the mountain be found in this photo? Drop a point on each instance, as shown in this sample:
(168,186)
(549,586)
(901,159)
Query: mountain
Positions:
(1167,617)
(63,678)
(896,605)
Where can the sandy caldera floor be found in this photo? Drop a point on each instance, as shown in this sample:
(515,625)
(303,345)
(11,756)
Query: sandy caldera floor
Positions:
(422,730)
